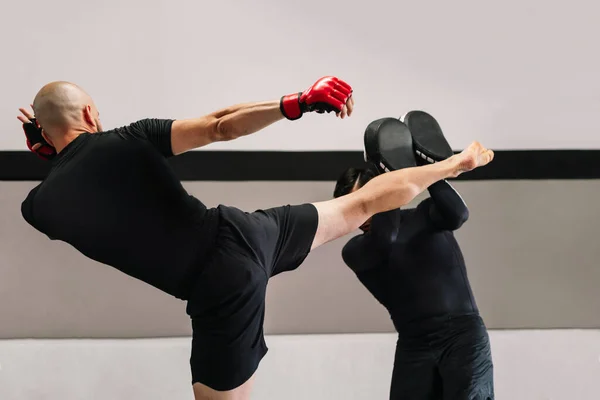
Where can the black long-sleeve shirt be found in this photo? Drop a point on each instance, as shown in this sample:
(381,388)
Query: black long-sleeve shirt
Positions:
(411,262)
(114,197)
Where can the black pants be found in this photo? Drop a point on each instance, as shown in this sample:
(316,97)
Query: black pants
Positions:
(227,305)
(448,359)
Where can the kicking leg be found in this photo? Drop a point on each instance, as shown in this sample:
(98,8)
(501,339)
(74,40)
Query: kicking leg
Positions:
(391,190)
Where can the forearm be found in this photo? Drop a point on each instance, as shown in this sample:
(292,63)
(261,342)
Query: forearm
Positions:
(395,189)
(245,119)
(447,209)
(226,124)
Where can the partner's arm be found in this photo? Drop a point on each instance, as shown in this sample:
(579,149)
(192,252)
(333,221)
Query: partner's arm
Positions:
(367,257)
(447,210)
(443,211)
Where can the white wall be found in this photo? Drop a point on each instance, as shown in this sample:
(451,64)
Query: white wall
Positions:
(525,272)
(516,74)
(529,365)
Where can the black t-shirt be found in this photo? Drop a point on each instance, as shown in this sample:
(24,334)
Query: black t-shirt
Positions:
(411,262)
(114,197)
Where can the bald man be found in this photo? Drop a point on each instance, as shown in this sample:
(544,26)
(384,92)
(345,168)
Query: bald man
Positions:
(112,195)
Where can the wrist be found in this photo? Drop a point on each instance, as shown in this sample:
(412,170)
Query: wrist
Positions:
(289,106)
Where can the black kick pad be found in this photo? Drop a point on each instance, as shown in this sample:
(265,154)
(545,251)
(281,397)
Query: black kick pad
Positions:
(389,145)
(428,138)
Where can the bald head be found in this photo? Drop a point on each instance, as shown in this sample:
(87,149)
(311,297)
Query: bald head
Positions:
(63,108)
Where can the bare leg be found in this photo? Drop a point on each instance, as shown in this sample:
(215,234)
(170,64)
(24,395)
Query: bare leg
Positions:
(203,392)
(389,191)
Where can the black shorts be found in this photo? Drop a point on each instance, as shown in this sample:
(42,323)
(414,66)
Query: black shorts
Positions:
(450,360)
(227,304)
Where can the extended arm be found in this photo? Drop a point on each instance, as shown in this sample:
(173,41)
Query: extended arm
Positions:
(327,94)
(226,124)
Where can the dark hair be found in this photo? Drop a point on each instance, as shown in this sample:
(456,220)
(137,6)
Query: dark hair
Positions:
(349,179)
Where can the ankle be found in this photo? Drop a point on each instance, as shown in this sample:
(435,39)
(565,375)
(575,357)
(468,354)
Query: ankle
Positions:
(454,165)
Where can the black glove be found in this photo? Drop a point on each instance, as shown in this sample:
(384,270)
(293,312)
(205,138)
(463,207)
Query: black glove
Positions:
(33,133)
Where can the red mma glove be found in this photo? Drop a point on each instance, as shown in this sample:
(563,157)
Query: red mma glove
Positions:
(327,94)
(33,133)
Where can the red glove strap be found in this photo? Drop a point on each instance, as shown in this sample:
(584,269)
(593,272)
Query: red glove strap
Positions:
(46,152)
(43,152)
(290,106)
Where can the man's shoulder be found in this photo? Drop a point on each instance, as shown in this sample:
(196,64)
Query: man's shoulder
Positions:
(125,129)
(135,131)
(156,131)
(143,124)
(27,204)
(33,192)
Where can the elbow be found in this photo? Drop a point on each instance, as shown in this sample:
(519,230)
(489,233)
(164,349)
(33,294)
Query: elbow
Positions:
(460,219)
(346,257)
(26,212)
(224,131)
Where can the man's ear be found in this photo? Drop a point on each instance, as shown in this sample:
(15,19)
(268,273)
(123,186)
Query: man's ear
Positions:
(89,118)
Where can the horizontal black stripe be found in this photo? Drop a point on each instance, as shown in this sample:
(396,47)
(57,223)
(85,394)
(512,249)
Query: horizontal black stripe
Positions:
(327,165)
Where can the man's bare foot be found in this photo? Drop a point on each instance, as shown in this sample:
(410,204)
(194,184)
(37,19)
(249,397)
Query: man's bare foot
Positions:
(472,157)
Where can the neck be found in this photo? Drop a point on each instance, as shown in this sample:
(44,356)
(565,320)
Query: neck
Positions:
(63,141)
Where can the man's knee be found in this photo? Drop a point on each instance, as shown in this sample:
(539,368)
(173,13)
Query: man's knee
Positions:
(242,392)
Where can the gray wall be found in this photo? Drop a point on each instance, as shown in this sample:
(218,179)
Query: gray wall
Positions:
(531,249)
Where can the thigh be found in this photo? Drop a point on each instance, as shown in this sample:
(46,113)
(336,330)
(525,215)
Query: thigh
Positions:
(278,238)
(296,229)
(227,309)
(415,375)
(466,364)
(339,217)
(227,304)
(228,343)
